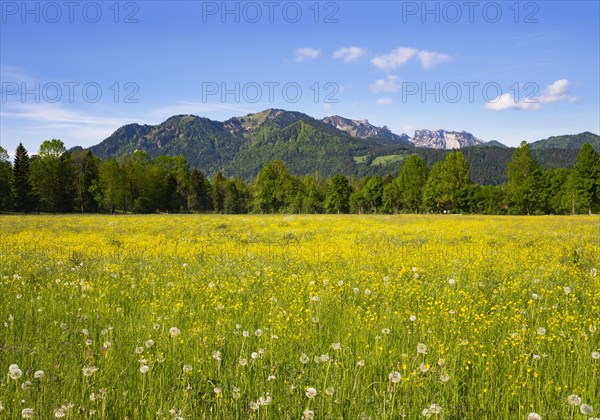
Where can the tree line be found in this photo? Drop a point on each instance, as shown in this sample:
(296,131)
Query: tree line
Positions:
(58,181)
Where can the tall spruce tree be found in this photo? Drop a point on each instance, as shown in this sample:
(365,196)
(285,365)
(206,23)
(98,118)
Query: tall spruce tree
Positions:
(21,185)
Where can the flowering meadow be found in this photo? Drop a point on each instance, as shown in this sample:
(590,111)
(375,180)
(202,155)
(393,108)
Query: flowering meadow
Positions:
(299,317)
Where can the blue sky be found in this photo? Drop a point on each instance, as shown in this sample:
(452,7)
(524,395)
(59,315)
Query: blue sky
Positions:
(508,71)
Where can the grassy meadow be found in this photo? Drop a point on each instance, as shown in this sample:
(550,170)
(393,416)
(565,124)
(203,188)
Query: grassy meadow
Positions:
(299,317)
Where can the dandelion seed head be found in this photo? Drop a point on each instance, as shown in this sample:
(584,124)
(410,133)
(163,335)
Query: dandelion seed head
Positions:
(311,392)
(308,415)
(27,413)
(89,370)
(394,377)
(586,409)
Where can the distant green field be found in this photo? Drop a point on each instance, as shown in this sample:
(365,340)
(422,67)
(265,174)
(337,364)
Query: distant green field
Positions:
(386,160)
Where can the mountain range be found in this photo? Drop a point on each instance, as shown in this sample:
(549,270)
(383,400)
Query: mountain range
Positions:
(240,146)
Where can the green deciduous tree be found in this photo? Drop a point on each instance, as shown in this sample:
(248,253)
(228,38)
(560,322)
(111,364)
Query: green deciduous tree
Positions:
(337,199)
(274,188)
(53,178)
(586,178)
(5,181)
(373,194)
(524,188)
(411,183)
(199,194)
(87,172)
(447,187)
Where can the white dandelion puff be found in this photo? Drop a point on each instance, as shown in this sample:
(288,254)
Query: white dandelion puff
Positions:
(421,348)
(89,370)
(174,331)
(435,408)
(27,413)
(586,409)
(308,415)
(574,399)
(394,377)
(311,392)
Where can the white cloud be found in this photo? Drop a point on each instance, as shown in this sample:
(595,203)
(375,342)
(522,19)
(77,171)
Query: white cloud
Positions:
(384,101)
(507,101)
(55,113)
(54,121)
(429,59)
(402,55)
(389,84)
(394,59)
(303,54)
(350,54)
(556,92)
